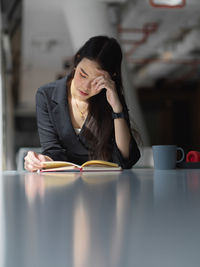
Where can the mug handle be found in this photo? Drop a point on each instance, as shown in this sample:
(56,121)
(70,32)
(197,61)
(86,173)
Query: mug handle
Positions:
(183,154)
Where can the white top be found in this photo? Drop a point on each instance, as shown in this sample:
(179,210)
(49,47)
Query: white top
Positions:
(77,130)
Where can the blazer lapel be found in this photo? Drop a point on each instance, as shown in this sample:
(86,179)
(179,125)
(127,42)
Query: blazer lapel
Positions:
(62,120)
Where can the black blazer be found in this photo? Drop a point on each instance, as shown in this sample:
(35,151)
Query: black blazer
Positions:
(57,136)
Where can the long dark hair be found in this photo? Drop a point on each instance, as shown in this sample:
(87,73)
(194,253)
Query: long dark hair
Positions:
(99,125)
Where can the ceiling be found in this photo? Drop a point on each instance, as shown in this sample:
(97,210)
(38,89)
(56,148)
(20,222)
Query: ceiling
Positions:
(161,43)
(158,43)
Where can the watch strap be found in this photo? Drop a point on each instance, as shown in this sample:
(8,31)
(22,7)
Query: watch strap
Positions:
(118,115)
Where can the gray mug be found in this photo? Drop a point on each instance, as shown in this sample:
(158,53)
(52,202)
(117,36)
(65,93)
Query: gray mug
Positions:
(165,156)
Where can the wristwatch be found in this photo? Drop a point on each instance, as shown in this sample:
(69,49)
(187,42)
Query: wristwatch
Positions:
(118,115)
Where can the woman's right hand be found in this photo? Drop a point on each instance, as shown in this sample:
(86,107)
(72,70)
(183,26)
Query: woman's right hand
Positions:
(33,161)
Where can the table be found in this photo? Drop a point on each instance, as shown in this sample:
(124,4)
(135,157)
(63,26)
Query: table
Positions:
(138,217)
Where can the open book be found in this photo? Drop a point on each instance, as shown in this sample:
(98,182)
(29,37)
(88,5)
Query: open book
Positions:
(91,165)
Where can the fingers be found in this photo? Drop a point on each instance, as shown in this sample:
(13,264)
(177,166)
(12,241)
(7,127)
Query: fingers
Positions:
(33,161)
(99,84)
(41,157)
(102,82)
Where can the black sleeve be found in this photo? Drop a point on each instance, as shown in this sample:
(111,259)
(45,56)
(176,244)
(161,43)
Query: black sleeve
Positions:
(134,155)
(47,133)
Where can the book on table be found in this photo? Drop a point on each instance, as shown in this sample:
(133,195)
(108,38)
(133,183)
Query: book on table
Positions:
(91,165)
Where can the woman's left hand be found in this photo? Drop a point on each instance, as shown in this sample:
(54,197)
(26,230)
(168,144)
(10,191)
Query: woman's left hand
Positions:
(104,81)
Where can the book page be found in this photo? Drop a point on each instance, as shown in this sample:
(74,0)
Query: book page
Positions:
(99,163)
(59,169)
(57,164)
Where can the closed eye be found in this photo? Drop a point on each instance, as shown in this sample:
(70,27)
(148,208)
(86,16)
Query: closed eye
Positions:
(83,76)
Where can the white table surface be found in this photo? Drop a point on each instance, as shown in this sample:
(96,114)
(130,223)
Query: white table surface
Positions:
(139,218)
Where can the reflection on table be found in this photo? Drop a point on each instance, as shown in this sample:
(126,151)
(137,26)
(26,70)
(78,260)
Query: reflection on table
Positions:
(139,217)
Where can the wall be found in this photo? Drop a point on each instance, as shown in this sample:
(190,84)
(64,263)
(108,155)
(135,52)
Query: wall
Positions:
(45,45)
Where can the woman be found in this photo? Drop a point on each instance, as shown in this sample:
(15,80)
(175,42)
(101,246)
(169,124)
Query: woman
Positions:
(84,115)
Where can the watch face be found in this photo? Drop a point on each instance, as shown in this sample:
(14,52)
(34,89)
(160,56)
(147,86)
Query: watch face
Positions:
(168,3)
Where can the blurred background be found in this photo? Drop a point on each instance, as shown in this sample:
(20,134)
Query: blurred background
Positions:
(161,69)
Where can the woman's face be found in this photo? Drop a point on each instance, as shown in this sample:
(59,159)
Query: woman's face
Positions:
(86,72)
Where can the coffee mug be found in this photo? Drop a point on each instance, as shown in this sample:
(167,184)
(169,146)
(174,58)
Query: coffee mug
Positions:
(165,156)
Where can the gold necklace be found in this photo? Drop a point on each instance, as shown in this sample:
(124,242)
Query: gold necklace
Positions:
(82,113)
